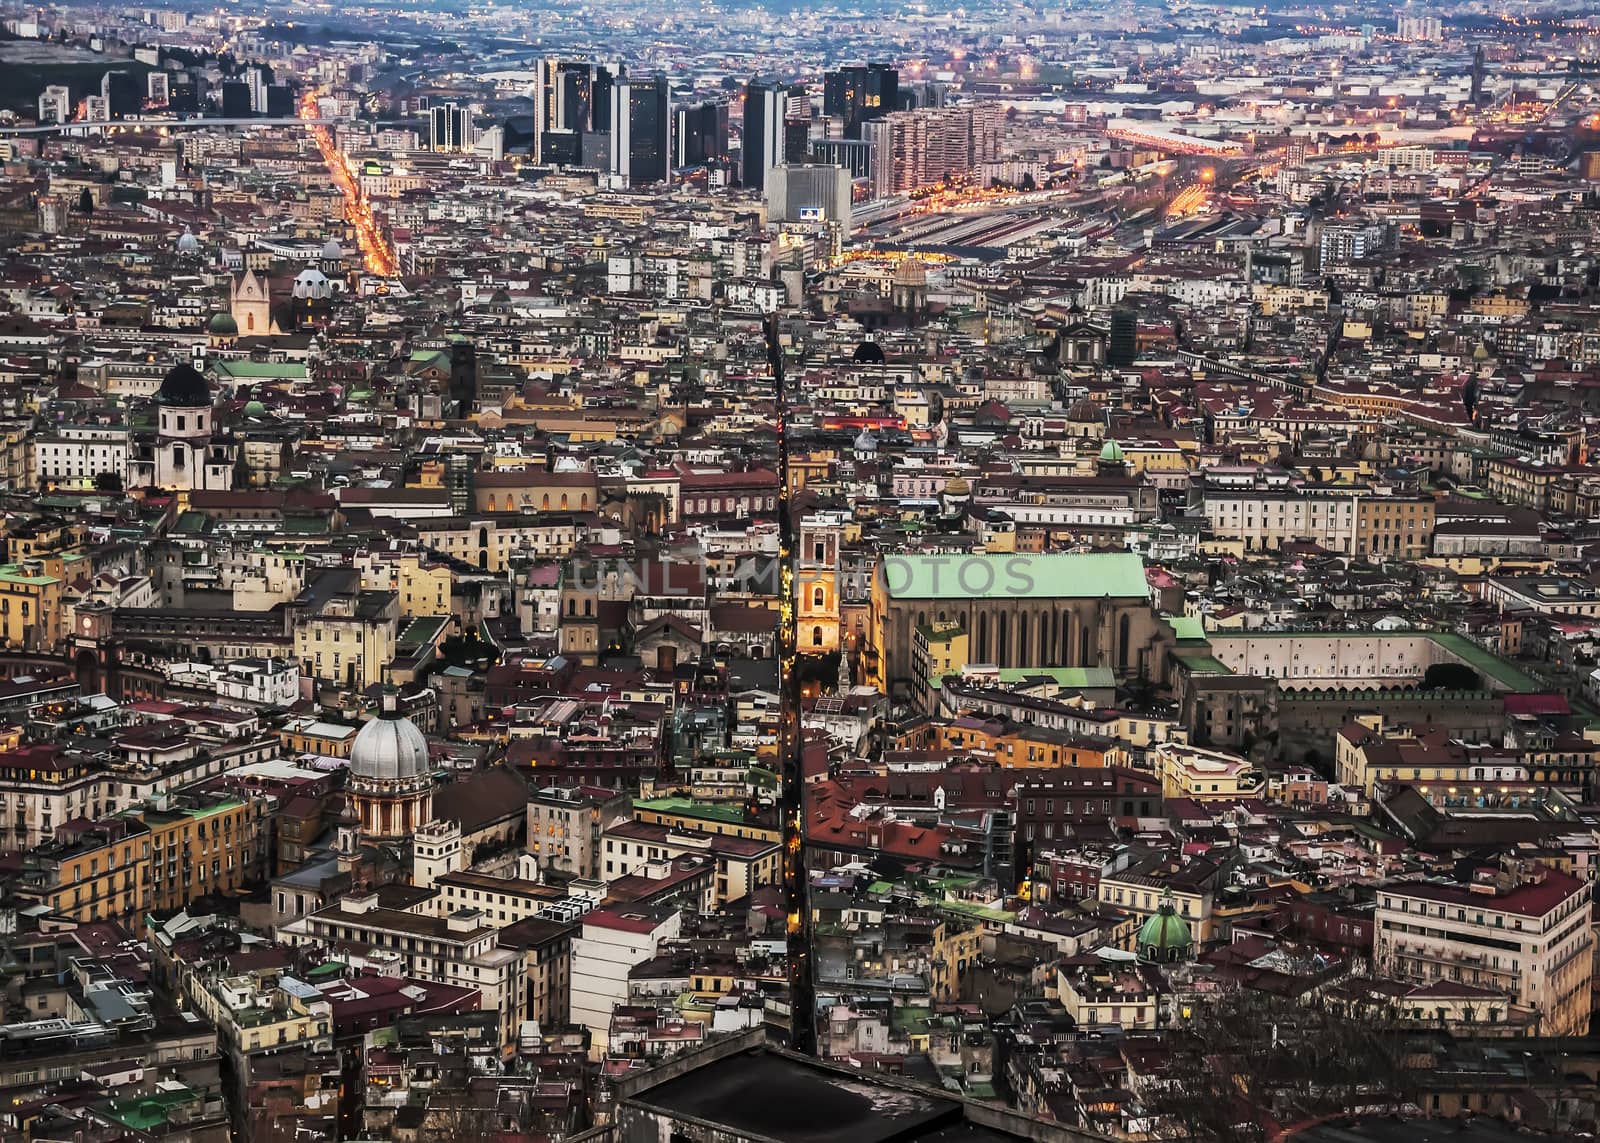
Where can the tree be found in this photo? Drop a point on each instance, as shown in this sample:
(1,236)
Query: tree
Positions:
(86,202)
(108,482)
(1247,1063)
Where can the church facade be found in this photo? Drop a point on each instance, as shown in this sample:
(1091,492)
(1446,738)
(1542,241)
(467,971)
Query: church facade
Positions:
(188,452)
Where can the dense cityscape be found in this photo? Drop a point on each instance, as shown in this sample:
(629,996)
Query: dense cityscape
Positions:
(739,573)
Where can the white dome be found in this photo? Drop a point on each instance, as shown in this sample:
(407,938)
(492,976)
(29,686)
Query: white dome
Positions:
(312,283)
(332,251)
(188,243)
(389,748)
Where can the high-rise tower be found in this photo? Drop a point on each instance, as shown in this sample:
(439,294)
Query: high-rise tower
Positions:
(765,110)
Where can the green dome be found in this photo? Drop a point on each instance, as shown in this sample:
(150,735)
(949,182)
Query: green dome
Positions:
(1164,938)
(1111,452)
(223,325)
(255,409)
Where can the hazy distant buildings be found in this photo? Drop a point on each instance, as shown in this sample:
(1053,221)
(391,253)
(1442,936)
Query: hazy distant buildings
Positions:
(1429,29)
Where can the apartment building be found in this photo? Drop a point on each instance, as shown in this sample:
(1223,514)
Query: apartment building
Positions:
(461,949)
(742,864)
(1523,929)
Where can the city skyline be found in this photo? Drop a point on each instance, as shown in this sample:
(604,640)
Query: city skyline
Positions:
(789,572)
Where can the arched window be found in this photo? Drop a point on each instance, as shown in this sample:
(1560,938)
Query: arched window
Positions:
(1084,659)
(817,596)
(816,636)
(545,501)
(483,537)
(1124,626)
(1022,640)
(563,501)
(983,636)
(1002,641)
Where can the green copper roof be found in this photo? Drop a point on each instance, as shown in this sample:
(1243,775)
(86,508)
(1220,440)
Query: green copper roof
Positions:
(1164,930)
(1187,627)
(261,370)
(1055,575)
(1111,452)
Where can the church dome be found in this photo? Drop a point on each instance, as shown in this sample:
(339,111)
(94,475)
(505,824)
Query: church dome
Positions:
(184,388)
(958,486)
(1085,410)
(188,243)
(910,272)
(1165,937)
(255,409)
(222,325)
(313,284)
(1111,453)
(332,251)
(389,748)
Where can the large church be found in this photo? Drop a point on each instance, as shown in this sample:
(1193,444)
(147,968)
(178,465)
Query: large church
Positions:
(188,451)
(250,303)
(1059,609)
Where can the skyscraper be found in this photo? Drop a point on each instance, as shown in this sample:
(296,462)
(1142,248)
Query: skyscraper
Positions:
(600,99)
(700,133)
(641,129)
(572,104)
(449,128)
(766,110)
(575,97)
(545,80)
(856,94)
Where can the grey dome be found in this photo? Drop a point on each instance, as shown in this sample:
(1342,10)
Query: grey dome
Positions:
(188,243)
(332,251)
(389,748)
